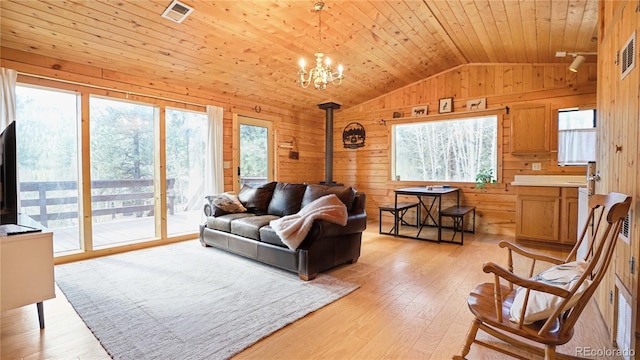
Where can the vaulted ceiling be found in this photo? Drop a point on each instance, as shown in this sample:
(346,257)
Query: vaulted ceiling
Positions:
(250,49)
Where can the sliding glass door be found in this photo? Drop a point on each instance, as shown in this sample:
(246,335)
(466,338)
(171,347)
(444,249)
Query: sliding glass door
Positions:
(122,171)
(47,137)
(129,150)
(185,150)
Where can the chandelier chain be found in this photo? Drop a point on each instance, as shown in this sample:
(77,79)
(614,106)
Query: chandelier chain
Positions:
(320,28)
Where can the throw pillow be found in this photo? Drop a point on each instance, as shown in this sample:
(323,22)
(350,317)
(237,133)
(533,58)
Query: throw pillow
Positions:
(256,198)
(541,305)
(229,203)
(209,208)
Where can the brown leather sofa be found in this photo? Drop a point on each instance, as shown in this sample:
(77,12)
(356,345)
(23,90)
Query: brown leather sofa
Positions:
(249,234)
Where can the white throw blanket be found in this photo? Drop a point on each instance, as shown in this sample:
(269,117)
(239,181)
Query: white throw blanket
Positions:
(293,228)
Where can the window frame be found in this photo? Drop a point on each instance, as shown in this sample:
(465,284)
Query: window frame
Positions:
(499,115)
(242,119)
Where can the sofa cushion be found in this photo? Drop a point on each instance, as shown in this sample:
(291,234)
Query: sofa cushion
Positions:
(286,199)
(345,193)
(249,227)
(269,236)
(256,198)
(223,222)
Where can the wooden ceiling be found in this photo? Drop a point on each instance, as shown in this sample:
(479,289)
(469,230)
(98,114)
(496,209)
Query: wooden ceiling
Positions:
(250,49)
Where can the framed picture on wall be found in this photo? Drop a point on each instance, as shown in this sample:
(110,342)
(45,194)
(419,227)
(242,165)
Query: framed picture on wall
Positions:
(446,105)
(477,104)
(420,111)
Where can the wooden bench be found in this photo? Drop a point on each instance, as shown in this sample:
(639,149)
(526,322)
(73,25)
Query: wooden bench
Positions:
(457,213)
(402,209)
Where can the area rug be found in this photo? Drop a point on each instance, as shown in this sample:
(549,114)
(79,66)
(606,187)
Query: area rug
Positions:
(183,301)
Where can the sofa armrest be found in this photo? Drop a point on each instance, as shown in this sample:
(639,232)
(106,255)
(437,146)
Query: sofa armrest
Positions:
(355,224)
(359,202)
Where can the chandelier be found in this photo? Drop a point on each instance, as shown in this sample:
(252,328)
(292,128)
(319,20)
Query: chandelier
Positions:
(322,74)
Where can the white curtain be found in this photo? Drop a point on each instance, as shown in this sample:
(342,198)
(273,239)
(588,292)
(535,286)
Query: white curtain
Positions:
(8,77)
(576,147)
(213,166)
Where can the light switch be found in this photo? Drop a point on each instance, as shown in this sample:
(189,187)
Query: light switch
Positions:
(536,166)
(226,164)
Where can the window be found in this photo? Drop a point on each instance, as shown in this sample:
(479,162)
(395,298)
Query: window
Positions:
(449,150)
(576,136)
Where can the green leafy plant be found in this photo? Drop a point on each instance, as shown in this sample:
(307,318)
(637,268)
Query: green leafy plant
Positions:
(484,177)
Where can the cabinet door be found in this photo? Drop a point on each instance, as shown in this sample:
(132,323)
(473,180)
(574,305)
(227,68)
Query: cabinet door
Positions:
(569,216)
(530,129)
(537,217)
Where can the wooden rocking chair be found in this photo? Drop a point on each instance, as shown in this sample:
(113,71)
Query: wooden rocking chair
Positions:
(515,315)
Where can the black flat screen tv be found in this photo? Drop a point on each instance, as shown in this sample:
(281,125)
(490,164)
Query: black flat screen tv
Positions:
(8,176)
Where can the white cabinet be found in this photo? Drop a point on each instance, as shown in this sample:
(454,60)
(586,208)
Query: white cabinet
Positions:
(26,271)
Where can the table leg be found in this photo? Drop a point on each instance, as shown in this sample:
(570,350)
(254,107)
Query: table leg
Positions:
(429,212)
(419,216)
(395,216)
(426,218)
(439,218)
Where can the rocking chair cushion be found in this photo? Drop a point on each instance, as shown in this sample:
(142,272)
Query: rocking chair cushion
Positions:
(541,305)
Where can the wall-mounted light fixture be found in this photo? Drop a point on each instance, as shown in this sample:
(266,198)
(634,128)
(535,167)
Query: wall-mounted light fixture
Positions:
(577,62)
(578,58)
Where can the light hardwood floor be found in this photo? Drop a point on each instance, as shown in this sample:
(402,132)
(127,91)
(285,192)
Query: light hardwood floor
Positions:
(411,304)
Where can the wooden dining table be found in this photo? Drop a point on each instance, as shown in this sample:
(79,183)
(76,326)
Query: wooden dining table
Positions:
(432,208)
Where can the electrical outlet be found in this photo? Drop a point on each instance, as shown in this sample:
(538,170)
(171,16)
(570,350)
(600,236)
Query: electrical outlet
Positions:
(536,166)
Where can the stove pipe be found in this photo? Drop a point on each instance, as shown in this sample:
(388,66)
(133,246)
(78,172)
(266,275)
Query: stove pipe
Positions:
(328,162)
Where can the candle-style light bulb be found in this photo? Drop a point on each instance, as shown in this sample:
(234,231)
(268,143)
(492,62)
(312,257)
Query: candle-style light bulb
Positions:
(340,68)
(302,63)
(327,61)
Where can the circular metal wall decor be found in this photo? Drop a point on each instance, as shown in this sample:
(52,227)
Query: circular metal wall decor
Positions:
(353,135)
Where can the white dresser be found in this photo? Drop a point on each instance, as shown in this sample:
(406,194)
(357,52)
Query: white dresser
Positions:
(26,271)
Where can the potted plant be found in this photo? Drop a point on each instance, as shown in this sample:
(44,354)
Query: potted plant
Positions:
(484,177)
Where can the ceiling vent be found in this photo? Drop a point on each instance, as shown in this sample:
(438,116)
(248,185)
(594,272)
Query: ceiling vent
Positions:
(177,11)
(628,56)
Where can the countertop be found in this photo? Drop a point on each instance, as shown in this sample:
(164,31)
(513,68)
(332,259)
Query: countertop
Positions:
(550,180)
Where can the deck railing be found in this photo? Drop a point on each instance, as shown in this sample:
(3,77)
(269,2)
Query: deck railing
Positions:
(116,197)
(253,180)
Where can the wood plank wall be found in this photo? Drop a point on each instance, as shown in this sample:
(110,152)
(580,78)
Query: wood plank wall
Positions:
(306,127)
(368,168)
(619,131)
